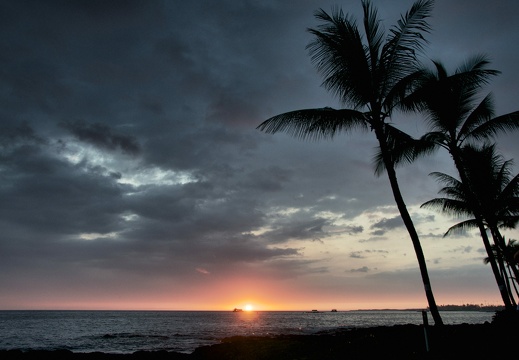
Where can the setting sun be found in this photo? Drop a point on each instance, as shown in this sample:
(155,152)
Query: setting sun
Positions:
(248,307)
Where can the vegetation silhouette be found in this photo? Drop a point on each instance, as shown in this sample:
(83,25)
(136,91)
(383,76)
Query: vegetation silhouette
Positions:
(510,254)
(457,119)
(371,74)
(496,200)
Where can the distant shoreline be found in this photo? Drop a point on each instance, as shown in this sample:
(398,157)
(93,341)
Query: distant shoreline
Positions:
(468,307)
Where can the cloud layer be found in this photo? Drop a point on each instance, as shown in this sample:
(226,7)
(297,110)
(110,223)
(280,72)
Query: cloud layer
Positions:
(130,163)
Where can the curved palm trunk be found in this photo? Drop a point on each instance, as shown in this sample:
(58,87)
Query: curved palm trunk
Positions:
(495,269)
(512,270)
(408,222)
(507,276)
(501,245)
(500,242)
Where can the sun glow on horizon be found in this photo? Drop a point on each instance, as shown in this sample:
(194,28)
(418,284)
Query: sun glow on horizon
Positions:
(249,307)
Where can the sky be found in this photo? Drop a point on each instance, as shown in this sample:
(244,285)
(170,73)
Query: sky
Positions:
(132,175)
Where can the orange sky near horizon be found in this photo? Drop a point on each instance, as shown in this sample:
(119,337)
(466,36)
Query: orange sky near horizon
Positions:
(261,296)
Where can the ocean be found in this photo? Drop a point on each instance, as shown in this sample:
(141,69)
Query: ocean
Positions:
(183,331)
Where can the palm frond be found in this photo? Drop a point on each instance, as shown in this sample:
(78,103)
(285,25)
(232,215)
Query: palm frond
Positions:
(445,178)
(448,206)
(479,115)
(508,222)
(441,71)
(374,34)
(436,137)
(340,57)
(405,40)
(473,74)
(493,127)
(462,227)
(315,123)
(403,94)
(503,177)
(415,101)
(402,149)
(511,187)
(477,63)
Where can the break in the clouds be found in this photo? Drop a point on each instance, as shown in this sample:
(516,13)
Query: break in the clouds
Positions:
(130,162)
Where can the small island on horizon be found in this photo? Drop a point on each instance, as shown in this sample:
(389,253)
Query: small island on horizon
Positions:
(464,307)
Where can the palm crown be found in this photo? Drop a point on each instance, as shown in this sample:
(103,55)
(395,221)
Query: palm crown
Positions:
(371,73)
(497,192)
(452,107)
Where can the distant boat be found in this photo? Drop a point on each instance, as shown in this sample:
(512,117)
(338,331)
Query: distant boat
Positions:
(334,310)
(237,310)
(312,312)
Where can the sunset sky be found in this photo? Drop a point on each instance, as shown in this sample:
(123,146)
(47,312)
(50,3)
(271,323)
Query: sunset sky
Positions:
(132,175)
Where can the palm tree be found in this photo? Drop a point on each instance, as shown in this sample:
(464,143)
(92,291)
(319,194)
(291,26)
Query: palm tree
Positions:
(456,118)
(371,75)
(511,270)
(498,192)
(510,252)
(492,195)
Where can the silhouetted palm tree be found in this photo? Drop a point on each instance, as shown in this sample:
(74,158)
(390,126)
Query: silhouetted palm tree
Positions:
(496,189)
(371,74)
(456,118)
(458,201)
(511,249)
(493,194)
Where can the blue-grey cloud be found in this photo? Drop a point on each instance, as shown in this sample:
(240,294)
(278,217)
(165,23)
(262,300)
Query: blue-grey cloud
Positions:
(102,136)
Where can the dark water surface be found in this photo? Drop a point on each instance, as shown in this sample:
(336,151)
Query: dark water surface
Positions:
(183,331)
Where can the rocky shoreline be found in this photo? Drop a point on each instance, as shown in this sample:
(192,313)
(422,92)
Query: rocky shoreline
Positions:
(464,341)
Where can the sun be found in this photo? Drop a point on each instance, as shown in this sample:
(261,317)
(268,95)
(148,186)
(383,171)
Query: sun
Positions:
(248,307)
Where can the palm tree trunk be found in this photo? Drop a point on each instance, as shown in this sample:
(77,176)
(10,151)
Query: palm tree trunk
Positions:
(495,269)
(506,278)
(512,270)
(408,222)
(502,248)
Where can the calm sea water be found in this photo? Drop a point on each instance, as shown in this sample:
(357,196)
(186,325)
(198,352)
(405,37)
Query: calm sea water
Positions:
(183,331)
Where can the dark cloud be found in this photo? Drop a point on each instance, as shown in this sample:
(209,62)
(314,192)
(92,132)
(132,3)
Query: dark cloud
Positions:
(373,239)
(17,135)
(366,253)
(384,225)
(357,255)
(354,229)
(101,136)
(377,251)
(363,269)
(463,249)
(294,229)
(296,267)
